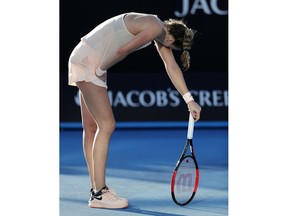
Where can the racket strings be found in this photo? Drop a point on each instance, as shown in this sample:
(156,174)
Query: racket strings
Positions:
(185,180)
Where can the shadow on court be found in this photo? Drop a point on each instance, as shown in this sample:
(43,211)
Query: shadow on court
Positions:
(137,210)
(139,168)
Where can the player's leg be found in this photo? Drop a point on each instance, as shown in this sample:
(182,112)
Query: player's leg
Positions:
(97,101)
(89,132)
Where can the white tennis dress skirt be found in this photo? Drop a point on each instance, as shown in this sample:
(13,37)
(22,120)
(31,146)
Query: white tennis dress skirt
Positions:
(84,65)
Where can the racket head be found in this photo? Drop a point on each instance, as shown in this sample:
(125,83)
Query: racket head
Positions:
(185,180)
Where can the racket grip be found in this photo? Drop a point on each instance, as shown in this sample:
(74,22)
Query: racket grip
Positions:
(190,127)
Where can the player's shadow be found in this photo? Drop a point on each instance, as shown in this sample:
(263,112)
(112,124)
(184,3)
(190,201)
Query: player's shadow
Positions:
(134,209)
(131,208)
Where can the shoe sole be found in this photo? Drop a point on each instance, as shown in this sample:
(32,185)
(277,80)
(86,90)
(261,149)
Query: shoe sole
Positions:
(98,205)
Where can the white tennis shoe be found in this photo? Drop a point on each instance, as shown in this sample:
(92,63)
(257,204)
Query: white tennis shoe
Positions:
(106,198)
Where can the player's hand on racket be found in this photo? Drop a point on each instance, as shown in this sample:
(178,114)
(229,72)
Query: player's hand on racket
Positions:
(194,109)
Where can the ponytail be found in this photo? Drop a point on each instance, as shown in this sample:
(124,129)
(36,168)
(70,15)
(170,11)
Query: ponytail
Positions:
(185,59)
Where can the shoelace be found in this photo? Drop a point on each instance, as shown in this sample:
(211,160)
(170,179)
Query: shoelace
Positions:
(108,194)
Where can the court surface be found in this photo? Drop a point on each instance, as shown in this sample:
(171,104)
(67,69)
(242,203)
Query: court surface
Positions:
(139,168)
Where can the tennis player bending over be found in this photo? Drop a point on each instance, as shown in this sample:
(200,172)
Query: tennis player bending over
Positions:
(109,43)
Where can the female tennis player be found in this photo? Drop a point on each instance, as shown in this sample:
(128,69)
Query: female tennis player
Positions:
(107,44)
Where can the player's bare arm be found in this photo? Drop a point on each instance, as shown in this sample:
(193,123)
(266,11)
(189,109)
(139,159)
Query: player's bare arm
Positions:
(176,76)
(173,70)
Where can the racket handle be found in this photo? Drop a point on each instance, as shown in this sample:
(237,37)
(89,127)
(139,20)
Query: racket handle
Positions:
(190,127)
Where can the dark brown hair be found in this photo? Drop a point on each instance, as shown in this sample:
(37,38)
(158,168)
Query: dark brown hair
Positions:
(183,37)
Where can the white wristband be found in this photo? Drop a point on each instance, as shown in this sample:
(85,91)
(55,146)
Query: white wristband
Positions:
(187,97)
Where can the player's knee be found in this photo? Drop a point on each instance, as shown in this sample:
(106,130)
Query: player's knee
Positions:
(111,126)
(108,127)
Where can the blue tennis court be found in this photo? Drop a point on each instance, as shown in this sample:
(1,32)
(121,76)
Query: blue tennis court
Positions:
(139,168)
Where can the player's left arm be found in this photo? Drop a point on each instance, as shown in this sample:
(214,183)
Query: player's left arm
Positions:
(176,76)
(173,70)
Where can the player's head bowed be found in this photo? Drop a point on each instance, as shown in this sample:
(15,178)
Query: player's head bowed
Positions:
(183,38)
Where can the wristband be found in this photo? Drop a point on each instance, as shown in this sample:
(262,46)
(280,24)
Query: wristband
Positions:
(187,97)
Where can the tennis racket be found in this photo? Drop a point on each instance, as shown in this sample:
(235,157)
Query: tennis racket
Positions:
(185,178)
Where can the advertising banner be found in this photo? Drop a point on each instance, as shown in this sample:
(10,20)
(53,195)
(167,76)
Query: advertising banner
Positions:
(152,97)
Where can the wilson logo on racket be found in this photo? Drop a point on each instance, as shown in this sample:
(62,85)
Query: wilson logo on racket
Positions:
(184,183)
